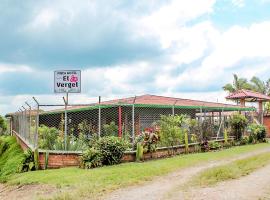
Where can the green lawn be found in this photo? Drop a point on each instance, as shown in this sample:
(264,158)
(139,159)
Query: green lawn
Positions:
(98,181)
(232,170)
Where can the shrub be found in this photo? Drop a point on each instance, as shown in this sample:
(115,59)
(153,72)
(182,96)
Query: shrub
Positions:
(150,140)
(170,129)
(214,145)
(110,129)
(205,146)
(107,150)
(112,149)
(238,124)
(3,125)
(91,158)
(257,132)
(245,140)
(12,158)
(47,137)
(28,163)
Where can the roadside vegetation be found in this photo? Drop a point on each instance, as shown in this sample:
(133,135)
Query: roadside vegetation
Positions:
(232,170)
(98,181)
(13,159)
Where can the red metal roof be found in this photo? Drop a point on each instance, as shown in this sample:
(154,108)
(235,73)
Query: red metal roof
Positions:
(161,100)
(248,96)
(154,100)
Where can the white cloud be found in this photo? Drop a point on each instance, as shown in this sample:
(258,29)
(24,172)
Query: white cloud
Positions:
(238,3)
(167,22)
(14,68)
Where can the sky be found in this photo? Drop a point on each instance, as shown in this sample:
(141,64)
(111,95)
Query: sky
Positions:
(180,48)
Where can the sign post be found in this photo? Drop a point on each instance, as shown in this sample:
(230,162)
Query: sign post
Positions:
(67,81)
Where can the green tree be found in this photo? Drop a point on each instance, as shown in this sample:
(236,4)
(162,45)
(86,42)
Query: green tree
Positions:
(238,84)
(259,85)
(3,125)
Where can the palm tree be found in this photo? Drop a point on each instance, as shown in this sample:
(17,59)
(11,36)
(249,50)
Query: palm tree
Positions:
(238,84)
(260,86)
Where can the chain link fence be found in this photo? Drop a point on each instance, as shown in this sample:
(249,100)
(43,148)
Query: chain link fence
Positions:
(33,122)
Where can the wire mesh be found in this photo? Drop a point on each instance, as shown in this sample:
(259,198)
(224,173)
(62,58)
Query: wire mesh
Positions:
(69,124)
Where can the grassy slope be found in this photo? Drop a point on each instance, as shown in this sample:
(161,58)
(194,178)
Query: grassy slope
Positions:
(232,170)
(100,180)
(11,157)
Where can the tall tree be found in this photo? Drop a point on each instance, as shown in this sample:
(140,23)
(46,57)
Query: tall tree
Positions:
(260,86)
(238,84)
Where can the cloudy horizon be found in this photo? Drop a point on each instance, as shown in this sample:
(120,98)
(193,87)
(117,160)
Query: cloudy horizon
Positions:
(185,49)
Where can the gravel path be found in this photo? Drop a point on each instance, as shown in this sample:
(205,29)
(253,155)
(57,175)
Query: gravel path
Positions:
(160,187)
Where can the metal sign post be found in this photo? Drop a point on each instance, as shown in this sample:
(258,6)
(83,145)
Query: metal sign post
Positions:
(67,81)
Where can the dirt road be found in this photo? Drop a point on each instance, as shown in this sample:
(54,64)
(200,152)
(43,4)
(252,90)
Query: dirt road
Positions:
(164,187)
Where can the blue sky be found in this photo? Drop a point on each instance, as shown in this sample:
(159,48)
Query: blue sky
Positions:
(177,48)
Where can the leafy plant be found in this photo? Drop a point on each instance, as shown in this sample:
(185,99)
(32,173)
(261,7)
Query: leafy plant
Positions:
(3,125)
(112,149)
(28,163)
(91,158)
(11,157)
(257,132)
(170,129)
(107,150)
(238,124)
(47,137)
(205,146)
(214,145)
(208,129)
(110,129)
(245,140)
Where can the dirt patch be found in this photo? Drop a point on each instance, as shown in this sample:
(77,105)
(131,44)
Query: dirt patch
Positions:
(160,187)
(26,192)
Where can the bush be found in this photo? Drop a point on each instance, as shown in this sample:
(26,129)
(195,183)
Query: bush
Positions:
(28,163)
(238,124)
(107,150)
(214,145)
(245,140)
(112,149)
(47,137)
(110,129)
(205,146)
(170,129)
(91,158)
(257,132)
(13,159)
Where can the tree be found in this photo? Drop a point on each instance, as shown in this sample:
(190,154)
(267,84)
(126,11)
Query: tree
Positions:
(238,84)
(260,86)
(3,125)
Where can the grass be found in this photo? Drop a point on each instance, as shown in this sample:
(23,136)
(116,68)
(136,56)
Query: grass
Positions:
(98,181)
(232,170)
(11,157)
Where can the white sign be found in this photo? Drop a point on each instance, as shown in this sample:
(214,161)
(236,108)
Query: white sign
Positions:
(67,81)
